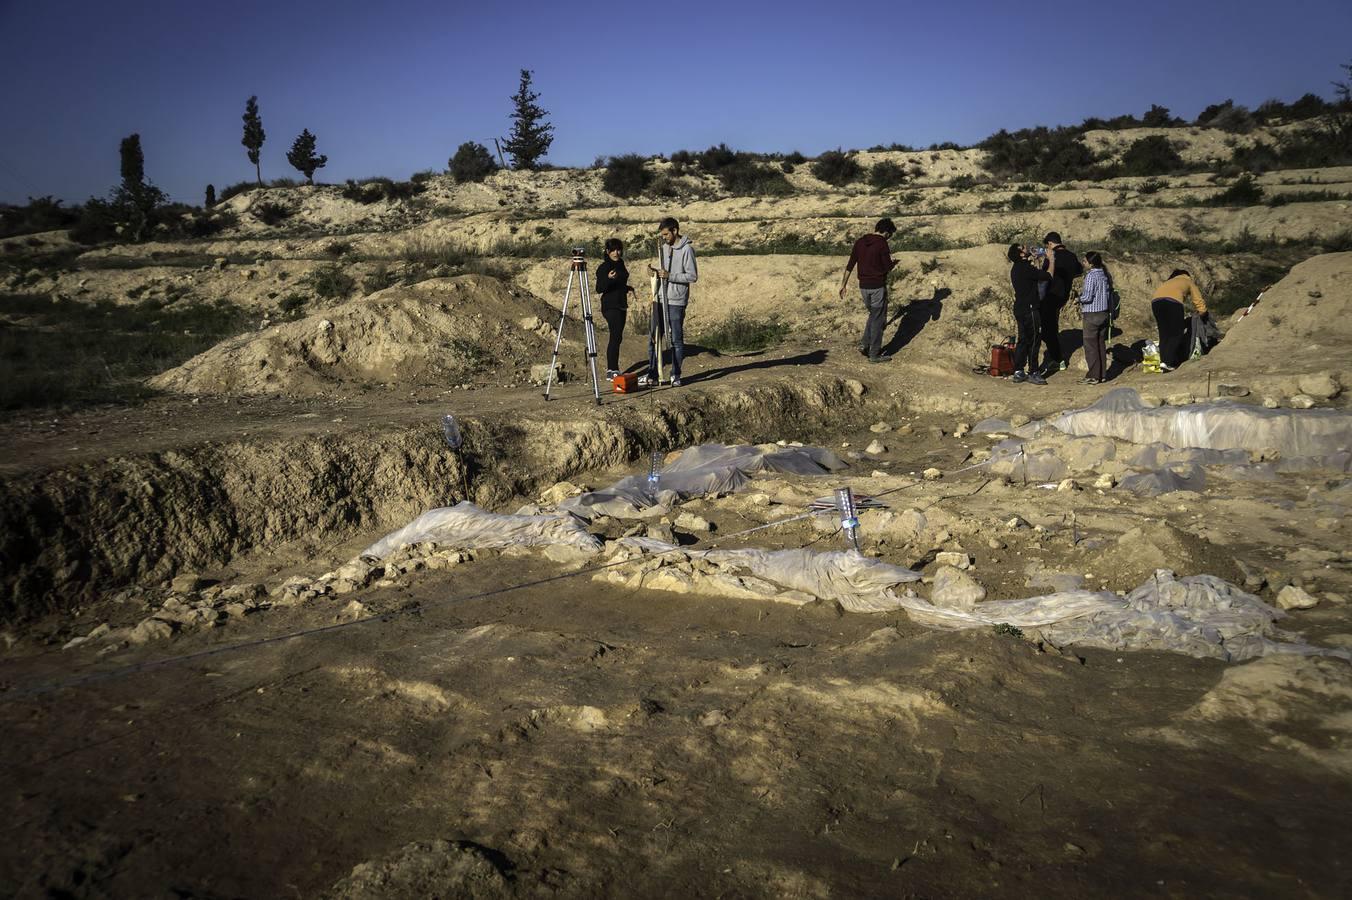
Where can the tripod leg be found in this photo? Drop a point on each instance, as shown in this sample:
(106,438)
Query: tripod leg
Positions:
(589,330)
(558,335)
(666,324)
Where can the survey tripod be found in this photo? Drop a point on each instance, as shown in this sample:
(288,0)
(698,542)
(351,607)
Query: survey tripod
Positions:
(577,271)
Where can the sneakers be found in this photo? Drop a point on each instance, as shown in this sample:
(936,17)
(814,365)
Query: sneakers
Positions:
(880,359)
(1018,377)
(1062,367)
(675,382)
(1165,367)
(1036,378)
(644,381)
(612,374)
(1089,381)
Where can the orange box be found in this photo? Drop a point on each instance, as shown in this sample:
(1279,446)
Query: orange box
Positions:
(625,383)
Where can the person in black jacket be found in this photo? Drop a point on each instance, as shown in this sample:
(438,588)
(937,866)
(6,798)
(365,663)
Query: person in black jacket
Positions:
(1063,266)
(612,283)
(1024,276)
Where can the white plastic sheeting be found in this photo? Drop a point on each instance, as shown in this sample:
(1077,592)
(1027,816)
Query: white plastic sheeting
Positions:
(468,527)
(1215,425)
(857,583)
(705,469)
(1200,615)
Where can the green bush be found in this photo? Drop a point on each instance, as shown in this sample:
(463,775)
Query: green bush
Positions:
(1244,192)
(38,214)
(886,175)
(329,282)
(270,213)
(1025,202)
(292,306)
(471,162)
(716,158)
(837,168)
(1153,155)
(741,332)
(747,178)
(626,176)
(1043,154)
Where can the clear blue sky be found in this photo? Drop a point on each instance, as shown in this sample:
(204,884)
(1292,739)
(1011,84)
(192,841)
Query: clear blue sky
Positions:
(390,88)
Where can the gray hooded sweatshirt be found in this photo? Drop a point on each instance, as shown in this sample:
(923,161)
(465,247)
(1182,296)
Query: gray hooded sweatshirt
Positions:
(679,261)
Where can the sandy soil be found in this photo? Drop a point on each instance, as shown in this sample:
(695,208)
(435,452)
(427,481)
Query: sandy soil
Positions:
(505,724)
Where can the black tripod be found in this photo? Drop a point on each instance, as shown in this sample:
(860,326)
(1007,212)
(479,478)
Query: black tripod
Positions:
(577,270)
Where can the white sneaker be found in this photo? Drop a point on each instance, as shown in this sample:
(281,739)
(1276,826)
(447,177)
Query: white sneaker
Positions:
(643,381)
(675,382)
(612,374)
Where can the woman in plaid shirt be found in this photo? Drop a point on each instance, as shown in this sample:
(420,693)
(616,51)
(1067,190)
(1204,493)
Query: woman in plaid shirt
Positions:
(1095,297)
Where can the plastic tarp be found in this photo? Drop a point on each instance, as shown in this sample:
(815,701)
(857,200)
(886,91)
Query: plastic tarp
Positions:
(1199,615)
(859,584)
(1165,480)
(1014,458)
(700,470)
(1216,425)
(468,527)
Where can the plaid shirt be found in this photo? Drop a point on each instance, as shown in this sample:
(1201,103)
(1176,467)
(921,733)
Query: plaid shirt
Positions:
(1095,292)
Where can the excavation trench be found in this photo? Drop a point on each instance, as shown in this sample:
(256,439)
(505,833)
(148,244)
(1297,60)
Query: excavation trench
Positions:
(73,534)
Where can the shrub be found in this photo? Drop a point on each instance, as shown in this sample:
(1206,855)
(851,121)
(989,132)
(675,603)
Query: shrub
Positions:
(231,190)
(1158,117)
(471,162)
(423,176)
(786,167)
(1043,154)
(292,305)
(329,282)
(377,279)
(716,158)
(377,189)
(750,178)
(39,214)
(338,248)
(886,174)
(795,158)
(837,168)
(962,183)
(1153,155)
(1025,202)
(1244,192)
(626,176)
(741,332)
(270,213)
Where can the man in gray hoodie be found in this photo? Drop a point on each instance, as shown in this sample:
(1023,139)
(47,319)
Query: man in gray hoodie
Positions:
(677,258)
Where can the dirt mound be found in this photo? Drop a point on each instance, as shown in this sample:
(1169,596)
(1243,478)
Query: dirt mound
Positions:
(437,330)
(1304,322)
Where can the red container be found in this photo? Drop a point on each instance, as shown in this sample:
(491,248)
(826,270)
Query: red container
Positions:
(1002,360)
(625,383)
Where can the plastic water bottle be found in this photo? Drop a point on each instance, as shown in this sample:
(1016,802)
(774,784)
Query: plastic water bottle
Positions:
(654,473)
(849,521)
(451,431)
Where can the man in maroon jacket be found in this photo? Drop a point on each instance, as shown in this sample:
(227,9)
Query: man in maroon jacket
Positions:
(872,256)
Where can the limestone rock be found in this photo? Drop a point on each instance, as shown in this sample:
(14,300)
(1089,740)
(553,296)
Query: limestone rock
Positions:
(875,447)
(561,491)
(955,589)
(1018,420)
(880,428)
(1068,485)
(1271,403)
(1301,401)
(661,531)
(1151,401)
(1105,482)
(933,474)
(691,522)
(1320,385)
(962,430)
(190,583)
(1231,390)
(955,559)
(1183,399)
(151,629)
(1292,597)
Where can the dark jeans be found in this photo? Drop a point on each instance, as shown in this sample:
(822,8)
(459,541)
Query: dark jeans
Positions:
(875,301)
(1049,326)
(1025,351)
(614,316)
(1096,343)
(677,314)
(1173,323)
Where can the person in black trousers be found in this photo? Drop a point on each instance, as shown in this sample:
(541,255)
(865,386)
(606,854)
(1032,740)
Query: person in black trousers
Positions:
(1024,276)
(1063,267)
(612,283)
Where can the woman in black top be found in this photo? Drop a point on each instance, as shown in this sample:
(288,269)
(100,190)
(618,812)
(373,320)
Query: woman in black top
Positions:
(612,283)
(1025,279)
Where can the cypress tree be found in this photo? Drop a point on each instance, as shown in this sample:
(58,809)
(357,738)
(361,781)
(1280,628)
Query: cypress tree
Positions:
(531,134)
(303,158)
(211,196)
(253,135)
(136,199)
